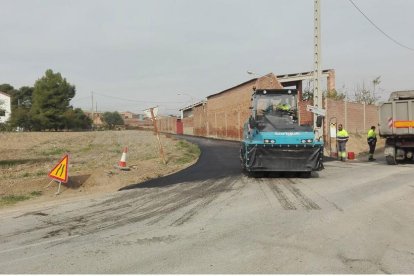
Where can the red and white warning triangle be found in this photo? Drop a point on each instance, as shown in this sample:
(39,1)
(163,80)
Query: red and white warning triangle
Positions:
(60,171)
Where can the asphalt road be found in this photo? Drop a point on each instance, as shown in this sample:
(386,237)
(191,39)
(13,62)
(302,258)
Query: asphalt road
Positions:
(353,217)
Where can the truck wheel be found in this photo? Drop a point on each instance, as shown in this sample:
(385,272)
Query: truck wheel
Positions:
(391,160)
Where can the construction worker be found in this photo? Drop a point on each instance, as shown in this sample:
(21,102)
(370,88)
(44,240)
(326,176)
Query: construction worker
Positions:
(283,107)
(372,142)
(341,138)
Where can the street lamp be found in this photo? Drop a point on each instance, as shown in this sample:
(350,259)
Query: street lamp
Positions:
(254,74)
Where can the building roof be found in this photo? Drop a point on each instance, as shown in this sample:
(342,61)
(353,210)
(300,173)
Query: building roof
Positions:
(241,84)
(280,78)
(193,105)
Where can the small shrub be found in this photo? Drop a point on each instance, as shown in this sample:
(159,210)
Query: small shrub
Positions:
(36,193)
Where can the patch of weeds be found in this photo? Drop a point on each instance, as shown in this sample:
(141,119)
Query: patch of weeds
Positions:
(40,173)
(88,148)
(55,151)
(26,174)
(189,151)
(15,162)
(36,193)
(13,199)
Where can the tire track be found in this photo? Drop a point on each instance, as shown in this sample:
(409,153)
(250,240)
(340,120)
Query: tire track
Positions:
(303,199)
(216,190)
(279,187)
(286,203)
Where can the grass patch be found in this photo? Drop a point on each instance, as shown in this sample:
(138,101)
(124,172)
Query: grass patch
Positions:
(36,193)
(55,151)
(15,162)
(13,199)
(189,151)
(40,173)
(88,148)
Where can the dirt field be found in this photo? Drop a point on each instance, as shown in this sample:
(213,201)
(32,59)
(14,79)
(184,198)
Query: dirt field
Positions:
(26,159)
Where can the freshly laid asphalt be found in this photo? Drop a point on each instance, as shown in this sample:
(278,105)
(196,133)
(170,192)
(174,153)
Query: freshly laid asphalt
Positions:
(218,159)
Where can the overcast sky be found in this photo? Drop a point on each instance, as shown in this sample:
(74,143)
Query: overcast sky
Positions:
(138,54)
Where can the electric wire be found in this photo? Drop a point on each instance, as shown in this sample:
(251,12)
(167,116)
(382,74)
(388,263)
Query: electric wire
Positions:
(379,29)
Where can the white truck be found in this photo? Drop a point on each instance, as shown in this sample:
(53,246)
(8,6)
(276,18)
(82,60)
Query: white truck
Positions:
(396,125)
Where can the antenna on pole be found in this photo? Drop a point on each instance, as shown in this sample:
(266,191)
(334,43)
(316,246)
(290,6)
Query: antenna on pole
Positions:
(92,108)
(317,93)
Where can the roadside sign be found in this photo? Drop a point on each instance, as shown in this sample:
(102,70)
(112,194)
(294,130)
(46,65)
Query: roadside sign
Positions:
(60,171)
(316,110)
(332,129)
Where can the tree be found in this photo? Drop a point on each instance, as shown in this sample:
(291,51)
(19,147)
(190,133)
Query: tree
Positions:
(51,97)
(76,119)
(22,97)
(21,102)
(112,119)
(6,88)
(336,94)
(365,95)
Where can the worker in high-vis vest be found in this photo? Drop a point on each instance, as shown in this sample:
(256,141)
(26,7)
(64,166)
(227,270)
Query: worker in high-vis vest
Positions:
(372,142)
(341,138)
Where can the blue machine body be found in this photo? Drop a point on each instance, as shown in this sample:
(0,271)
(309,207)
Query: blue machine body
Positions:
(273,140)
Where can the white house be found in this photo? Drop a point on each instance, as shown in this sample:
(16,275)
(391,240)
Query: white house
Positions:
(5,107)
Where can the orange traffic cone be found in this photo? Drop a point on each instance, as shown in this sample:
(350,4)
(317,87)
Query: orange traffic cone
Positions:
(122,163)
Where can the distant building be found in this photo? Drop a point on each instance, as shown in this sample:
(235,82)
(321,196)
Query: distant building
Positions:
(132,119)
(127,115)
(97,119)
(5,107)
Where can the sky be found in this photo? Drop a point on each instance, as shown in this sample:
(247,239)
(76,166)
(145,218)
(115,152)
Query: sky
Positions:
(132,55)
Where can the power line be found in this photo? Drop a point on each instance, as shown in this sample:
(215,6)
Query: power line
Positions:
(379,29)
(78,99)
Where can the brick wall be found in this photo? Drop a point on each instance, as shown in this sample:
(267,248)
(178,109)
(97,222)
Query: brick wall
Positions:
(227,112)
(200,120)
(167,124)
(224,114)
(355,117)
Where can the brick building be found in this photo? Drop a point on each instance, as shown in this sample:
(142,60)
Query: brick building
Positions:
(223,114)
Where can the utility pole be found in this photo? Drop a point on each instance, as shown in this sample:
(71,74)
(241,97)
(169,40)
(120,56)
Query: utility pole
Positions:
(92,107)
(317,93)
(154,121)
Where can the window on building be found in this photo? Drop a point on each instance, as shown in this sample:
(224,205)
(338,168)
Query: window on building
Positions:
(2,113)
